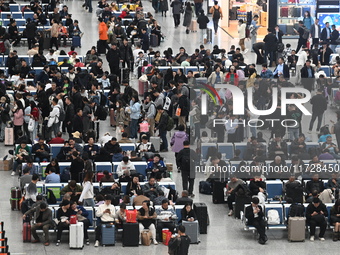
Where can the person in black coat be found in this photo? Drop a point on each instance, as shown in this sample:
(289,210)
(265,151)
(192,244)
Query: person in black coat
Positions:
(316,214)
(78,121)
(326,33)
(145,40)
(42,99)
(270,46)
(77,166)
(184,200)
(307,76)
(278,34)
(184,105)
(256,185)
(76,98)
(254,215)
(113,56)
(112,146)
(161,126)
(319,106)
(325,54)
(69,114)
(126,53)
(281,69)
(43,76)
(334,37)
(31,30)
(187,213)
(302,41)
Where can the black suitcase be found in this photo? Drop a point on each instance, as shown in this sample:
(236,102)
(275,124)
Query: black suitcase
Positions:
(240,201)
(101,47)
(47,40)
(153,40)
(218,192)
(124,74)
(130,234)
(201,211)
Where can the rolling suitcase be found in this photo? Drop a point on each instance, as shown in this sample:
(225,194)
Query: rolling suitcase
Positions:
(142,87)
(284,12)
(193,26)
(153,40)
(112,118)
(192,230)
(124,74)
(130,234)
(15,198)
(76,41)
(296,229)
(9,136)
(297,11)
(47,40)
(77,235)
(156,141)
(101,47)
(108,234)
(201,211)
(218,190)
(291,12)
(26,232)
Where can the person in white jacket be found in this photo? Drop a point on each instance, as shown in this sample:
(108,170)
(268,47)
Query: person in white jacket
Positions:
(53,118)
(107,213)
(302,54)
(125,167)
(87,194)
(242,35)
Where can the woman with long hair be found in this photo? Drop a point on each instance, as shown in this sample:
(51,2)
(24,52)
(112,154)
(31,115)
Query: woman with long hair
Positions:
(122,119)
(55,164)
(18,119)
(307,20)
(34,115)
(87,194)
(187,17)
(135,109)
(335,220)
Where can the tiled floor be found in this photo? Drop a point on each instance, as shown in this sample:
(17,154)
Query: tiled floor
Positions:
(225,234)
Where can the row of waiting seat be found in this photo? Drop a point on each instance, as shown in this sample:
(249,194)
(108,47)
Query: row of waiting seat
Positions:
(283,211)
(227,149)
(43,188)
(29,59)
(93,219)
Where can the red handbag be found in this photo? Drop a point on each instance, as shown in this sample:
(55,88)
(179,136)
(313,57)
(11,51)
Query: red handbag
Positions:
(131,216)
(73,219)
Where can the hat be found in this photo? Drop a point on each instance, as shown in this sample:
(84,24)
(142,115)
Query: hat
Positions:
(3,100)
(64,203)
(76,134)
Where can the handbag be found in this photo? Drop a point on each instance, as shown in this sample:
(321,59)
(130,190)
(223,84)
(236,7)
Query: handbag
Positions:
(178,112)
(31,125)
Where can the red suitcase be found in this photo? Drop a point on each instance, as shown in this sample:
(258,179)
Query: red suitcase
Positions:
(99,176)
(27,232)
(284,12)
(112,118)
(142,87)
(15,198)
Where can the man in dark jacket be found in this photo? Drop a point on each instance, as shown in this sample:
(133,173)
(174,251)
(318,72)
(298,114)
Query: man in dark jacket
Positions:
(281,69)
(161,126)
(128,91)
(30,32)
(76,98)
(315,32)
(69,114)
(324,54)
(270,46)
(176,11)
(187,159)
(114,58)
(334,37)
(126,53)
(326,33)
(254,215)
(43,220)
(314,185)
(319,106)
(184,105)
(4,116)
(78,121)
(300,32)
(307,76)
(316,214)
(179,245)
(145,40)
(202,21)
(112,146)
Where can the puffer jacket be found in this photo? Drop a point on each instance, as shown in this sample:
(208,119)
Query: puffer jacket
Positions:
(177,140)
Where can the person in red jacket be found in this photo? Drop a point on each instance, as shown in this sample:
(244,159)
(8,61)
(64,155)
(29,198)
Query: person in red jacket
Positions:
(231,76)
(58,139)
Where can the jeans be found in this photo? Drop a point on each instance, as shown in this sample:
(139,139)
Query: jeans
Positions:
(318,220)
(35,131)
(198,7)
(311,124)
(88,3)
(298,73)
(177,19)
(215,21)
(293,133)
(185,180)
(89,202)
(164,145)
(253,131)
(133,128)
(231,199)
(271,55)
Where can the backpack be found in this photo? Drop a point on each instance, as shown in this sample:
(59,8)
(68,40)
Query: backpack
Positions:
(314,151)
(2,47)
(103,99)
(216,14)
(51,199)
(173,194)
(296,210)
(273,217)
(170,124)
(62,114)
(65,176)
(186,161)
(280,47)
(102,114)
(305,33)
(205,187)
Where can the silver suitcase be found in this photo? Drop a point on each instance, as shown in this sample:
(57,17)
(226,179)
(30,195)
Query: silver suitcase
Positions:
(77,235)
(296,229)
(156,141)
(192,230)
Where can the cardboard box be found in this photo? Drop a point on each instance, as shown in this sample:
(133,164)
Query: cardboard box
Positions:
(6,165)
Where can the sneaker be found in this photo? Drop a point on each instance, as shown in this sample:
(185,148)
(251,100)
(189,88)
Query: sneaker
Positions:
(309,131)
(230,213)
(36,241)
(47,244)
(13,173)
(192,195)
(140,243)
(245,51)
(311,239)
(96,244)
(58,242)
(87,241)
(155,242)
(321,239)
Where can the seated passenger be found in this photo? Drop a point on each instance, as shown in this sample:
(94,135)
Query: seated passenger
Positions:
(151,188)
(73,189)
(146,217)
(52,177)
(82,217)
(125,167)
(165,217)
(188,213)
(156,168)
(335,220)
(63,216)
(254,215)
(316,214)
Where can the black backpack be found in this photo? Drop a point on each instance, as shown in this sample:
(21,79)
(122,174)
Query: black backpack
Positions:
(65,176)
(51,199)
(103,99)
(216,13)
(102,114)
(296,210)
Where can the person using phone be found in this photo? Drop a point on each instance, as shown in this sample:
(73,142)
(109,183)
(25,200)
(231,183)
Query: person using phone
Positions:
(255,217)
